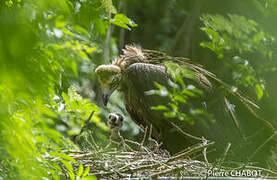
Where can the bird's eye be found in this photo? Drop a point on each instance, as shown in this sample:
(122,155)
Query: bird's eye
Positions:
(110,116)
(113,118)
(120,116)
(114,81)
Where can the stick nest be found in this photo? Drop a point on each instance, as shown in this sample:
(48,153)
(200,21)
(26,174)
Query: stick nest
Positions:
(130,159)
(114,163)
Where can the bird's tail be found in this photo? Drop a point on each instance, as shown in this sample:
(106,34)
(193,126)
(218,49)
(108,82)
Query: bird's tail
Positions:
(204,75)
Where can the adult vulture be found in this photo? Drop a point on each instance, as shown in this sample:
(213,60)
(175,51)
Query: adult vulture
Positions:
(239,135)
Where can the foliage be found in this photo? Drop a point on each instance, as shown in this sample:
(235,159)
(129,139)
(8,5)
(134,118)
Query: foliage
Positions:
(181,94)
(235,33)
(233,39)
(48,49)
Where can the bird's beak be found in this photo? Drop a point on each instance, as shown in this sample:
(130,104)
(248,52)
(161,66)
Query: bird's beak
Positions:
(106,96)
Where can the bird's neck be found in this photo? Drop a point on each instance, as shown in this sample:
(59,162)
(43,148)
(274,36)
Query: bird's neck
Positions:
(115,135)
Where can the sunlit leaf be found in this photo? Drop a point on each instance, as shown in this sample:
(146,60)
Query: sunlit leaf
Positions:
(69,168)
(80,170)
(123,21)
(86,171)
(160,108)
(259,91)
(90,177)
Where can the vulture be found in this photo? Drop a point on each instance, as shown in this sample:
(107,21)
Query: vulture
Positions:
(238,132)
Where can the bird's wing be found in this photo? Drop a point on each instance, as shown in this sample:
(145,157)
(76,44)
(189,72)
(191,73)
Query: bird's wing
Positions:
(202,75)
(139,78)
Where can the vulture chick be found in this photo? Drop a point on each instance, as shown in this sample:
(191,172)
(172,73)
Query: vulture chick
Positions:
(136,71)
(115,123)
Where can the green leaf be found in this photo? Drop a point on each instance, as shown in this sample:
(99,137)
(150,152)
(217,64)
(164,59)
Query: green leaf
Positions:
(180,98)
(86,171)
(80,30)
(259,91)
(122,21)
(90,177)
(69,168)
(158,85)
(80,170)
(169,114)
(188,93)
(74,68)
(65,97)
(160,108)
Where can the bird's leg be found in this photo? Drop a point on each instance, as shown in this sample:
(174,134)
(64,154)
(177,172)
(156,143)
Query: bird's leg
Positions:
(115,138)
(144,136)
(150,137)
(125,145)
(152,143)
(205,142)
(115,134)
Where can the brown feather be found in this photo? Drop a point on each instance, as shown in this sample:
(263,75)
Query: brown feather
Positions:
(135,54)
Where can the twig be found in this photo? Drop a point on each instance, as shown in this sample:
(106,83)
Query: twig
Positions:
(144,136)
(136,143)
(93,140)
(126,145)
(263,144)
(86,123)
(189,152)
(228,105)
(205,150)
(226,150)
(187,134)
(167,171)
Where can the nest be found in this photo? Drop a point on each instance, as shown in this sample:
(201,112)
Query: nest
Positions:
(129,159)
(122,161)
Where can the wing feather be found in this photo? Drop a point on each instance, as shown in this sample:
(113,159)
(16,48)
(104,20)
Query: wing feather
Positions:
(138,79)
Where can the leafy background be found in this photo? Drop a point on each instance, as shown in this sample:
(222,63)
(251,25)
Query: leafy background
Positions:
(49,50)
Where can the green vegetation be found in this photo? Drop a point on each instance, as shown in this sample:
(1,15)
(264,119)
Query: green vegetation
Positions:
(49,50)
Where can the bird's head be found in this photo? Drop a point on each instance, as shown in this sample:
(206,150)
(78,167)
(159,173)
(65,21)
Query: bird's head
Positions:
(109,77)
(115,121)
